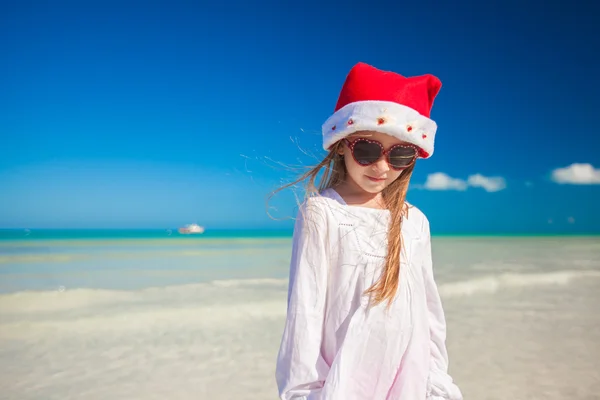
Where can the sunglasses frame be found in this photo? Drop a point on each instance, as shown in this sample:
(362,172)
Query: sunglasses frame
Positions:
(384,153)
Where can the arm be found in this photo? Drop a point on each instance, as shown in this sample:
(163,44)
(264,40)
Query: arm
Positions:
(301,369)
(440,385)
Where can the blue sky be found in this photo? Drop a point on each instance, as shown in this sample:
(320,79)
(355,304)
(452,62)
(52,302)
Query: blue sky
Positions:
(157,114)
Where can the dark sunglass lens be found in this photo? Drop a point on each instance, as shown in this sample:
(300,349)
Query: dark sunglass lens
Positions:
(402,156)
(366,153)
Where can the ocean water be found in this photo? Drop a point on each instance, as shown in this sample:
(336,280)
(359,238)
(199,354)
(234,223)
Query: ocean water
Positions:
(135,259)
(151,317)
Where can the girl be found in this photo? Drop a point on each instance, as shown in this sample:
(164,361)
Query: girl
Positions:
(364,318)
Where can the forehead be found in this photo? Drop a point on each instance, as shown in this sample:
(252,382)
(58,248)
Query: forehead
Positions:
(386,140)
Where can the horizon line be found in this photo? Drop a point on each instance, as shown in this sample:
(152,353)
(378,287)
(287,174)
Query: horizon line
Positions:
(289,232)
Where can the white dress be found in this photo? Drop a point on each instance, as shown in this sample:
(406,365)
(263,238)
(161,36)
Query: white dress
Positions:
(334,347)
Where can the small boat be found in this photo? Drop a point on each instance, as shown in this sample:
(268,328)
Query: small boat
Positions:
(191,229)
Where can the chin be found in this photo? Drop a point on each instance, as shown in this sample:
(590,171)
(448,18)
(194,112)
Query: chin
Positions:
(373,187)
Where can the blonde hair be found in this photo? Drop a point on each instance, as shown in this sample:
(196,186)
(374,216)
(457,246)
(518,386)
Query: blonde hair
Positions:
(394,196)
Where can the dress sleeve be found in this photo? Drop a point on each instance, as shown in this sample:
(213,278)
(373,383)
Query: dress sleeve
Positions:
(301,369)
(440,385)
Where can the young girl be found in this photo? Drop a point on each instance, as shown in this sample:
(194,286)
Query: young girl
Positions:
(364,319)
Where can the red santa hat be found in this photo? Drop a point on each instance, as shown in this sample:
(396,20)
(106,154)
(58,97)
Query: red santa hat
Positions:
(386,102)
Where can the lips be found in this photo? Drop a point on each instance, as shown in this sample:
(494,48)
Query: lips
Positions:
(376,179)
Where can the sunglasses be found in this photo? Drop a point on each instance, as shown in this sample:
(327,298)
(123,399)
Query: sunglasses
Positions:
(366,152)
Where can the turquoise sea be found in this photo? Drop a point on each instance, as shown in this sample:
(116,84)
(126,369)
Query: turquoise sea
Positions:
(99,234)
(133,259)
(50,234)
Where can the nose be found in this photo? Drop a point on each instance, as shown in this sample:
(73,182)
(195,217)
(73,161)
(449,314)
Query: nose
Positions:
(382,165)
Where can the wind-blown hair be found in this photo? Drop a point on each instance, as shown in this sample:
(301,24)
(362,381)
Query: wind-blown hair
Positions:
(394,196)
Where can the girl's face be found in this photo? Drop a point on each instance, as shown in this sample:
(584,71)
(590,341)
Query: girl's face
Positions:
(377,176)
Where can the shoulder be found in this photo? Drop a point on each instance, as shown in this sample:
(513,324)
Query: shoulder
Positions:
(324,204)
(417,219)
(314,225)
(317,210)
(316,203)
(322,211)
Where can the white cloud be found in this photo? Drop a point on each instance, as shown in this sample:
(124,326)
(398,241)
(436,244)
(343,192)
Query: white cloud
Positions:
(577,174)
(441,181)
(490,184)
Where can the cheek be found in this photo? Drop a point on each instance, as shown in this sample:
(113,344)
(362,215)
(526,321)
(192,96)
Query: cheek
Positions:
(393,175)
(352,166)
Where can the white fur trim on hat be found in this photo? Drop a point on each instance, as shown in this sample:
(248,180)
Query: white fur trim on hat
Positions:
(386,117)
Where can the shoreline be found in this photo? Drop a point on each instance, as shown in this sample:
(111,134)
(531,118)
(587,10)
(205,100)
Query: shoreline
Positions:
(13,236)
